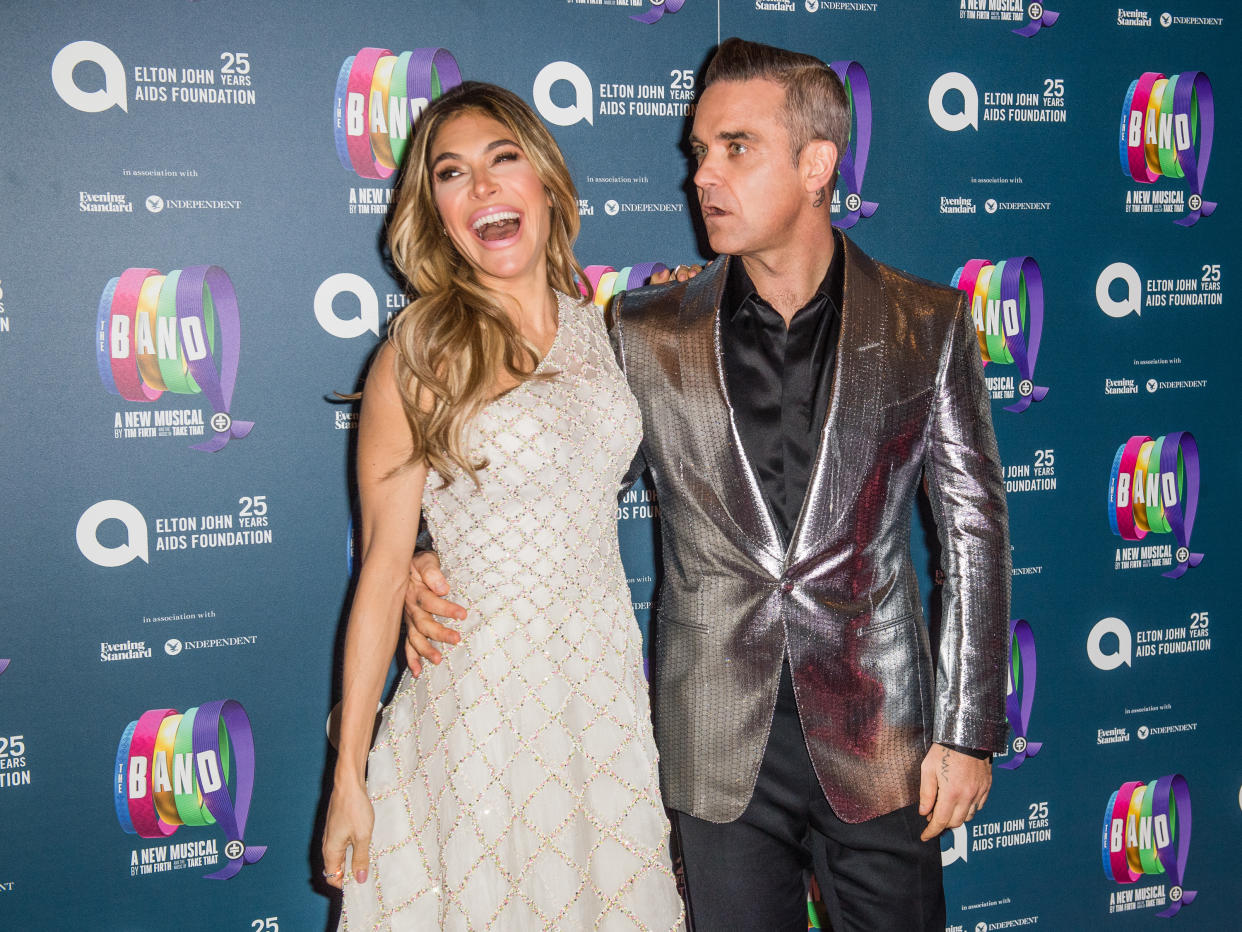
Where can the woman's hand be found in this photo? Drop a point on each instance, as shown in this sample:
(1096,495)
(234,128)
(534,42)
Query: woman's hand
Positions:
(349,824)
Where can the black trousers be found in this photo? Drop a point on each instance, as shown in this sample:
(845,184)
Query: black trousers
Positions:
(751,875)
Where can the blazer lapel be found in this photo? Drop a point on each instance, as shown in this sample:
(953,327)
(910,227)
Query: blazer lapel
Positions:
(853,405)
(721,460)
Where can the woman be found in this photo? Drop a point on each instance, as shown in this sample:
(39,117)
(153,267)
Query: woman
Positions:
(513,785)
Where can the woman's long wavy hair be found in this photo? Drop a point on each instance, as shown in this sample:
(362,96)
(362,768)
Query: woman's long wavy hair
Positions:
(455,339)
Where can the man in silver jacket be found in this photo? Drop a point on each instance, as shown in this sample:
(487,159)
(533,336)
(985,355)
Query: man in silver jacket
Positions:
(794,396)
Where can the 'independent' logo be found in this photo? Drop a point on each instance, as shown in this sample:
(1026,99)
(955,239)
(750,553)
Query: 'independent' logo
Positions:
(180,333)
(1162,120)
(174,769)
(1007,305)
(378,97)
(1147,832)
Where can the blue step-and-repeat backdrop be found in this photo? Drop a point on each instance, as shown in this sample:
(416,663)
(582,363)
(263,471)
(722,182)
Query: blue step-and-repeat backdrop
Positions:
(192,196)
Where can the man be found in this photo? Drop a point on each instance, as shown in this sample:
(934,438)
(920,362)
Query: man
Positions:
(794,395)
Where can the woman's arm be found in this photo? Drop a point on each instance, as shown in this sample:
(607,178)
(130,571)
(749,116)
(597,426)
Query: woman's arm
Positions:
(390,493)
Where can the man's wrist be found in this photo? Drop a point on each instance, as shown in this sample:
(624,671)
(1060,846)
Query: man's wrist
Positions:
(976,753)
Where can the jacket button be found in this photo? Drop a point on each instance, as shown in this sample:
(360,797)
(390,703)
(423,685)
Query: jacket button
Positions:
(787,586)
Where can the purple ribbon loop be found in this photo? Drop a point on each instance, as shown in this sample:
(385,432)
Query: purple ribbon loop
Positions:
(1173,803)
(853,163)
(216,378)
(230,812)
(1035,25)
(422,64)
(4,665)
(1025,348)
(1021,697)
(1181,445)
(1194,91)
(658,10)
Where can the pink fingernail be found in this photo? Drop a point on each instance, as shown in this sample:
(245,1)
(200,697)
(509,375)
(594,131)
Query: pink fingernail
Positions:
(361,876)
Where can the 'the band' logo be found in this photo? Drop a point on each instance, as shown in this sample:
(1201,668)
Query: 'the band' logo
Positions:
(583,106)
(1007,305)
(1039,17)
(1020,698)
(1161,121)
(967,116)
(1154,488)
(379,95)
(853,162)
(658,9)
(112,94)
(180,333)
(1147,832)
(175,769)
(606,282)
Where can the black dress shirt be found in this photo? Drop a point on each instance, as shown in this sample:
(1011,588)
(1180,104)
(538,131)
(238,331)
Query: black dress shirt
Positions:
(779,381)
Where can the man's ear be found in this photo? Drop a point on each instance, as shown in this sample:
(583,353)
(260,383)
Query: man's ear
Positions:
(817,164)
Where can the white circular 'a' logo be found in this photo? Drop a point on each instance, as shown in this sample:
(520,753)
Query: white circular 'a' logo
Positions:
(135,546)
(958,850)
(1131,303)
(583,106)
(1122,654)
(368,306)
(112,94)
(954,122)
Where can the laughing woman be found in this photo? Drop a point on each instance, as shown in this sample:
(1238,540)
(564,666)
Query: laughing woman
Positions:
(514,785)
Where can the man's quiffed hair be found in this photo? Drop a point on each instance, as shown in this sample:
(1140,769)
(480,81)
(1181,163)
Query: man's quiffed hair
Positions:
(816,106)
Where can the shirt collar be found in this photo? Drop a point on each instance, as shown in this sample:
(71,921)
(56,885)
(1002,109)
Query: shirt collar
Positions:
(739,288)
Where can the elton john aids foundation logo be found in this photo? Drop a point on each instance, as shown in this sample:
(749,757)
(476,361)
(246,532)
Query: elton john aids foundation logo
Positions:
(113,92)
(853,162)
(583,105)
(957,121)
(177,333)
(174,769)
(1147,830)
(1167,128)
(1020,698)
(1154,489)
(1007,305)
(379,95)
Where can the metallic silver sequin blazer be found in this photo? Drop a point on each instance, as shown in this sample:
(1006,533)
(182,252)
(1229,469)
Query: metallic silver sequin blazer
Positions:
(908,404)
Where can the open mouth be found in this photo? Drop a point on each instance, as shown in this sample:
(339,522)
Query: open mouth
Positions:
(503,224)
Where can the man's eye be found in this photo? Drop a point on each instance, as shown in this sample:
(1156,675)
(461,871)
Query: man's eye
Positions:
(698,153)
(737,148)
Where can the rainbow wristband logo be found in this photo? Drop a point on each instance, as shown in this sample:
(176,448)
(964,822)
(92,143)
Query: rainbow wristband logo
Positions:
(1007,305)
(174,769)
(657,11)
(1039,17)
(604,282)
(1162,121)
(1147,832)
(1021,692)
(179,333)
(379,95)
(1154,489)
(853,162)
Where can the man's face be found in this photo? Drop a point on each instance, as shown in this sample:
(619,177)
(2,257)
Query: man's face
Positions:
(750,190)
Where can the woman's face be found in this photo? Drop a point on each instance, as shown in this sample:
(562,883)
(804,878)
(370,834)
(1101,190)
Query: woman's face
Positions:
(492,203)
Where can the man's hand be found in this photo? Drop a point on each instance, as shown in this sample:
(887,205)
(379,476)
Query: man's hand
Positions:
(953,787)
(424,599)
(681,273)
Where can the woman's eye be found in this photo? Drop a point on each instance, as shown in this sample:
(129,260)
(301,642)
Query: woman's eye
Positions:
(509,156)
(446,174)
